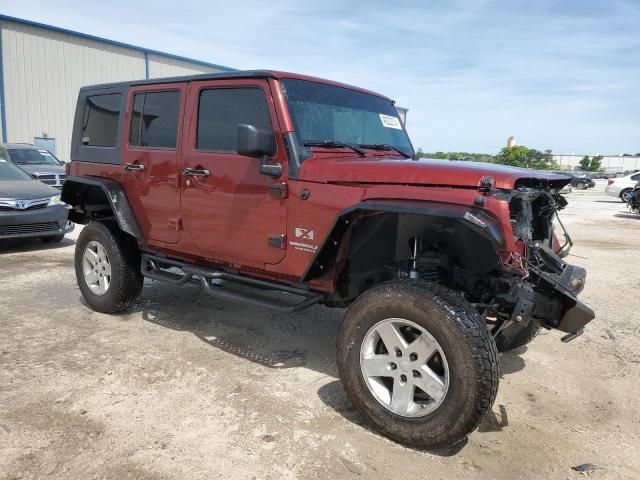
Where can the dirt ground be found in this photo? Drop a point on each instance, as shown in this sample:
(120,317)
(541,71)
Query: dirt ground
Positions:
(187,387)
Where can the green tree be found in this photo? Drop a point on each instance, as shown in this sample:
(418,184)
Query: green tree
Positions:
(521,156)
(596,163)
(591,164)
(585,163)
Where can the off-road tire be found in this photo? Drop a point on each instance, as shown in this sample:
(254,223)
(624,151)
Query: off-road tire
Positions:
(55,239)
(622,194)
(468,347)
(126,278)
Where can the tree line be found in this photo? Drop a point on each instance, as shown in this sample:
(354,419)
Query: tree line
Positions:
(517,156)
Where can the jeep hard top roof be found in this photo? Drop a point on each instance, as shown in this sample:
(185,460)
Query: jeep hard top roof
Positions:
(230,75)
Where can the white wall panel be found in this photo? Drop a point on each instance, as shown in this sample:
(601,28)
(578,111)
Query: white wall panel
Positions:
(160,67)
(43,72)
(45,68)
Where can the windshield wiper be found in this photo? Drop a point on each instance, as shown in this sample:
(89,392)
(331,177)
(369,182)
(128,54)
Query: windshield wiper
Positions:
(384,146)
(332,144)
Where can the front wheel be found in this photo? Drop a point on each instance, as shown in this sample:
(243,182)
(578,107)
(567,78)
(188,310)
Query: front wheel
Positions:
(417,362)
(581,186)
(107,263)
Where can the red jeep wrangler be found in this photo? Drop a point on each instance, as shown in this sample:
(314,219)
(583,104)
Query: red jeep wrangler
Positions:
(283,191)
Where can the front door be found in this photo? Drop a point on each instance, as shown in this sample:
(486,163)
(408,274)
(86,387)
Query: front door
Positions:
(227,208)
(151,168)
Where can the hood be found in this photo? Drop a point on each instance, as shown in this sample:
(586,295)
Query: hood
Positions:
(42,169)
(423,172)
(25,190)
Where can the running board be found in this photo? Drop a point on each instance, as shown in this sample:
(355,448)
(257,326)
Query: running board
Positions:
(157,268)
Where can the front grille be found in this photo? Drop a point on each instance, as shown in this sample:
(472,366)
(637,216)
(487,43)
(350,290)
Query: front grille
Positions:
(4,208)
(28,228)
(52,179)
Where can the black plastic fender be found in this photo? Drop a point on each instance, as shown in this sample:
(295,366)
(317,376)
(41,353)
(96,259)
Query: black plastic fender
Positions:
(474,218)
(73,194)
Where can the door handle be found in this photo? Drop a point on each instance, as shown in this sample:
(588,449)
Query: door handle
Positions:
(133,166)
(195,172)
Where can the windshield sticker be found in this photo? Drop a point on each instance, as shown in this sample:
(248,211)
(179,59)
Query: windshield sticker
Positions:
(390,122)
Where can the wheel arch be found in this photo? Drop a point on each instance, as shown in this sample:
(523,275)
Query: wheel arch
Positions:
(390,222)
(100,198)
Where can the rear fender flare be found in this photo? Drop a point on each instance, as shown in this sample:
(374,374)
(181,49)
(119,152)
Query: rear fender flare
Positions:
(74,191)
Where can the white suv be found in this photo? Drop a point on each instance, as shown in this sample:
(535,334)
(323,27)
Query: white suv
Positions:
(621,187)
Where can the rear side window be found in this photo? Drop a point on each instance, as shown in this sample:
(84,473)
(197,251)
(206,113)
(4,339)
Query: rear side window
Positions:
(636,177)
(221,110)
(100,120)
(154,122)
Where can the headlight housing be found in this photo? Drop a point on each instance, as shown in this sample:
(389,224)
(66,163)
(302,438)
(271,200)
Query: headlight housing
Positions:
(55,200)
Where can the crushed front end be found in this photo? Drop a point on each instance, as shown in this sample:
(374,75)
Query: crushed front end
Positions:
(538,287)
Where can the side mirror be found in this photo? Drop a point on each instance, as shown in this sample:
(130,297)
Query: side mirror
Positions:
(258,143)
(254,142)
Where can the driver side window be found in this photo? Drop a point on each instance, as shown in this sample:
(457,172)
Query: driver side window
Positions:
(220,111)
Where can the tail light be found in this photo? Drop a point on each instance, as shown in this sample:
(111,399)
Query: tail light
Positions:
(610,182)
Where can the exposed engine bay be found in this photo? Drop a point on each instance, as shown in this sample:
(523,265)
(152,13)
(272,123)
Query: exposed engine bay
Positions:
(535,289)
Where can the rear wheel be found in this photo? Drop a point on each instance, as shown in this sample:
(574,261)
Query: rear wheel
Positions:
(107,263)
(417,362)
(581,186)
(625,195)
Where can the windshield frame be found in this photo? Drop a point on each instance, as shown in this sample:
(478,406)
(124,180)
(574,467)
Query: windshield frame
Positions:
(394,150)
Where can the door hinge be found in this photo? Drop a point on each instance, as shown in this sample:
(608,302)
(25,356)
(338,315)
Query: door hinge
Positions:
(278,241)
(279,190)
(176,224)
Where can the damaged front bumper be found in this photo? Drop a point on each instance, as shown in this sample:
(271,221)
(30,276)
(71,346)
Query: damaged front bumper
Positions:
(551,300)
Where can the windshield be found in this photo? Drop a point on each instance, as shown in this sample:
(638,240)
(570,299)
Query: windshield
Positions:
(31,156)
(327,114)
(9,171)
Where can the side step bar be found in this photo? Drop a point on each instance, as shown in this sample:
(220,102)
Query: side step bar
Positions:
(157,268)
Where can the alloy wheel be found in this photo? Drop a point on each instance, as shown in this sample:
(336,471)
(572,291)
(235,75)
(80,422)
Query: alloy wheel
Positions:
(404,367)
(96,268)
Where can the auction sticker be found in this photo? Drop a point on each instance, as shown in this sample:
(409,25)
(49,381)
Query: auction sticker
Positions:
(390,122)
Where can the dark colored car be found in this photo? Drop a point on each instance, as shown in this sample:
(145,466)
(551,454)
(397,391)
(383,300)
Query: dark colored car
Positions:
(308,189)
(37,162)
(29,208)
(579,180)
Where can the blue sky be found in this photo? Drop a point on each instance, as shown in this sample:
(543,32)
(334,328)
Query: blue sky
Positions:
(563,75)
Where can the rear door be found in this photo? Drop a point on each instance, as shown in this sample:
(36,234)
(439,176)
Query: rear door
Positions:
(228,210)
(150,158)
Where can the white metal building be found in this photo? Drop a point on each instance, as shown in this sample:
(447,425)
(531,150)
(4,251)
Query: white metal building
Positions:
(610,163)
(42,69)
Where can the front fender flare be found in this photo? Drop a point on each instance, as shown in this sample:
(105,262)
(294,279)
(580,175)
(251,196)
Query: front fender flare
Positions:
(474,218)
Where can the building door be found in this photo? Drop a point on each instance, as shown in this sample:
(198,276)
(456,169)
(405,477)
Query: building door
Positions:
(226,205)
(150,160)
(48,144)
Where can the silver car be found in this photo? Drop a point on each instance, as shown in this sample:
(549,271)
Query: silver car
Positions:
(37,162)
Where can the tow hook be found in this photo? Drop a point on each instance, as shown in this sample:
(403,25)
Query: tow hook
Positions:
(572,336)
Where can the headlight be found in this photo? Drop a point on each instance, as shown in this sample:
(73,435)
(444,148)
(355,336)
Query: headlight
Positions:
(55,200)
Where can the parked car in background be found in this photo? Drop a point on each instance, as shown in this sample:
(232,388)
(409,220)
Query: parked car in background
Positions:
(622,187)
(579,180)
(28,207)
(37,162)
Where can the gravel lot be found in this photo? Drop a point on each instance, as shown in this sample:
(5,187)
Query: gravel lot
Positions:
(187,387)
